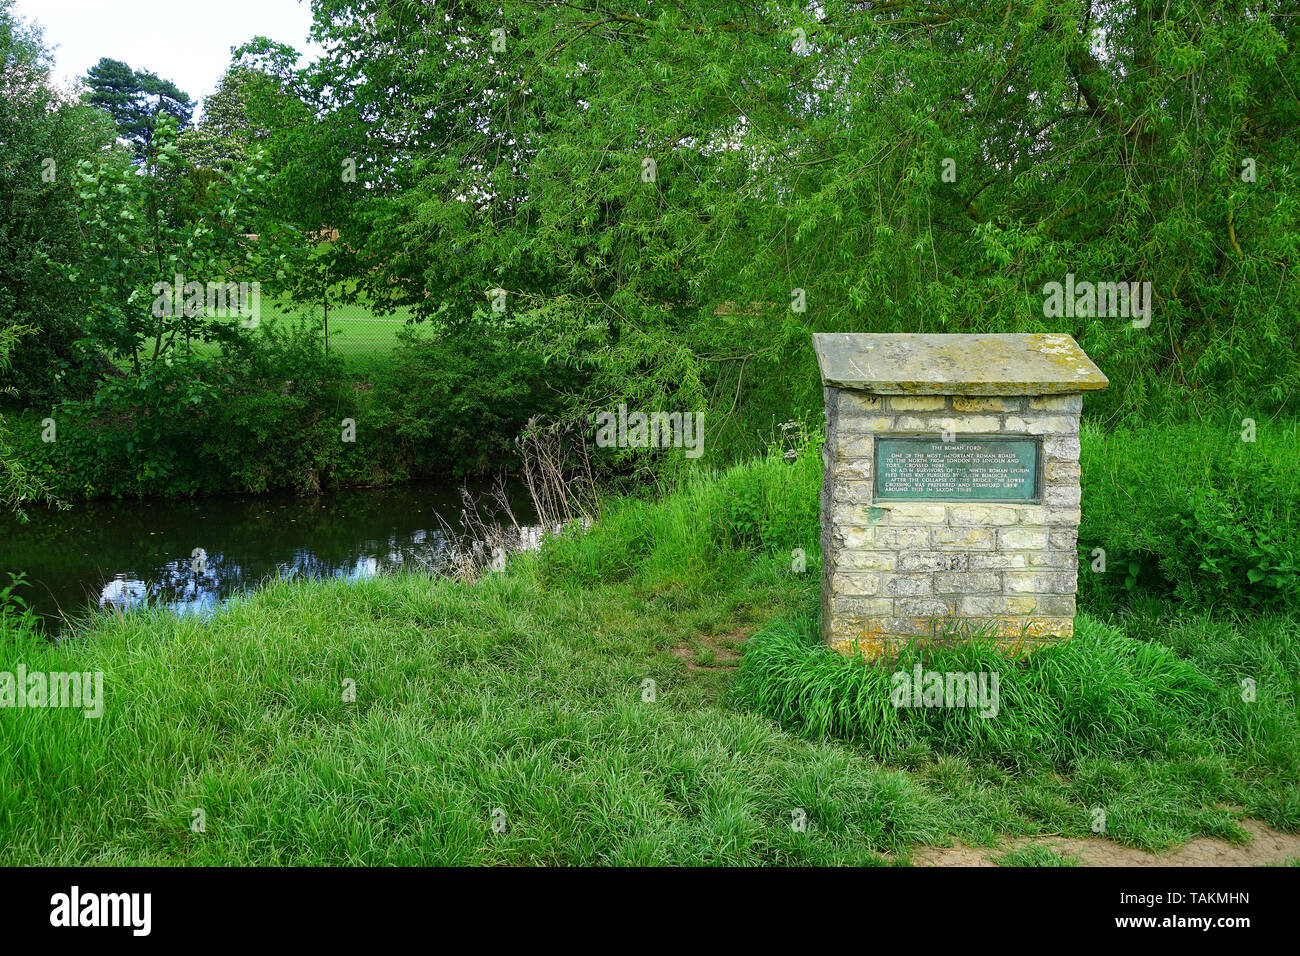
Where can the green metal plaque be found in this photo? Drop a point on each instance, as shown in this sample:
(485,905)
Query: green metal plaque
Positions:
(971,468)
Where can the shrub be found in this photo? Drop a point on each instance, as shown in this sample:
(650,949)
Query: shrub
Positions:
(266,413)
(279,417)
(1191,513)
(454,404)
(258,419)
(774,505)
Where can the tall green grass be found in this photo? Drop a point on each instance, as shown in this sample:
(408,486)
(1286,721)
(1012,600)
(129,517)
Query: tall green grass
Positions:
(469,699)
(1100,694)
(711,526)
(1167,721)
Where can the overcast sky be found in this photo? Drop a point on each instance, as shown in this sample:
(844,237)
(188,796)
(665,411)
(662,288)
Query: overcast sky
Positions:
(185,41)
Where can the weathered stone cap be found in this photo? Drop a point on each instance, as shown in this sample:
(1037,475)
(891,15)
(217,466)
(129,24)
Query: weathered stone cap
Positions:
(971,364)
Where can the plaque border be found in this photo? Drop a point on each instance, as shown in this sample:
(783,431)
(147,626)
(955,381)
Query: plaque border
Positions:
(1037,499)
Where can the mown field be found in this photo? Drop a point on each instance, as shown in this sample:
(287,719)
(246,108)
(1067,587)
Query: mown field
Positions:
(356,331)
(650,692)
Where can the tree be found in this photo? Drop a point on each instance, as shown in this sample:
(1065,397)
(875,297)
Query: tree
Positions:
(135,99)
(18,485)
(318,156)
(144,233)
(42,137)
(660,189)
(228,130)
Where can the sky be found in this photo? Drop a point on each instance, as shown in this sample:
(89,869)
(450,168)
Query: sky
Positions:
(185,41)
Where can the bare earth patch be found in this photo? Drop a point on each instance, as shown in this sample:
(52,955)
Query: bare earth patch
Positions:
(718,650)
(1267,846)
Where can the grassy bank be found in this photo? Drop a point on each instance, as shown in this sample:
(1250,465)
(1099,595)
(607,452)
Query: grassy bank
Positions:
(526,693)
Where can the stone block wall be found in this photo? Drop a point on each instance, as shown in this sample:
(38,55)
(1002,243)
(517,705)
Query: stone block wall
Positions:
(896,571)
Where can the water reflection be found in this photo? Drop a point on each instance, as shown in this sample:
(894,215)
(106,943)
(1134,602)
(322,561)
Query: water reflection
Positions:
(191,556)
(195,587)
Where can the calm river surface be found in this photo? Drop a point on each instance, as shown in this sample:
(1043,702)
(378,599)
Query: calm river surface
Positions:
(107,554)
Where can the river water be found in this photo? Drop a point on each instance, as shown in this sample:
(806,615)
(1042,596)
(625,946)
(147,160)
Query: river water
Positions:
(191,555)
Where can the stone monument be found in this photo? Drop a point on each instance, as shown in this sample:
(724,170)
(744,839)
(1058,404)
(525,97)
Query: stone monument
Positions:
(950,498)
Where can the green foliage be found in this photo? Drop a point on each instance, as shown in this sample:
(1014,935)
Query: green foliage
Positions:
(1185,513)
(1102,693)
(280,423)
(1109,141)
(776,507)
(266,411)
(454,403)
(241,713)
(711,518)
(141,231)
(42,137)
(270,418)
(136,100)
(16,618)
(1036,855)
(1191,513)
(17,483)
(225,136)
(320,163)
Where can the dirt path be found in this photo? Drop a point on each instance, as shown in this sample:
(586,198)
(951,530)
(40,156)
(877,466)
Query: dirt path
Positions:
(1267,846)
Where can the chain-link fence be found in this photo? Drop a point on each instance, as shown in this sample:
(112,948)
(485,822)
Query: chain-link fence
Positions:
(361,335)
